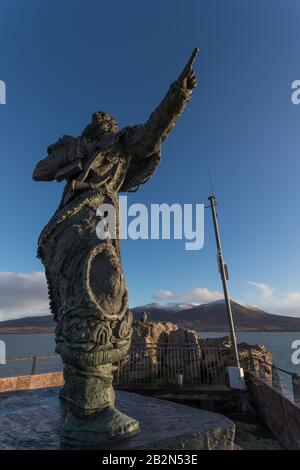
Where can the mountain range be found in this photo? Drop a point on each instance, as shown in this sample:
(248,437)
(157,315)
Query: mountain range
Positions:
(213,317)
(205,317)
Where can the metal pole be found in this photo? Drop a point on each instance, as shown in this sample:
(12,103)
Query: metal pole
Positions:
(33,369)
(224,277)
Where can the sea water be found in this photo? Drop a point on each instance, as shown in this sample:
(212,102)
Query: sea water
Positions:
(28,345)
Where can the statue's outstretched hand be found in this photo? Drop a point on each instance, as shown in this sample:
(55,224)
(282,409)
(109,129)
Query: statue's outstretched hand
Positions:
(187,79)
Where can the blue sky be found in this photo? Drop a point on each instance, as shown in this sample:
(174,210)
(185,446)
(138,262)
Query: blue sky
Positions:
(62,60)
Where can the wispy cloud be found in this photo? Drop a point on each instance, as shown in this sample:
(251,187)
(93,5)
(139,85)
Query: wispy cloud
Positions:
(286,303)
(265,297)
(196,296)
(266,291)
(163,295)
(22,294)
(201,294)
(25,294)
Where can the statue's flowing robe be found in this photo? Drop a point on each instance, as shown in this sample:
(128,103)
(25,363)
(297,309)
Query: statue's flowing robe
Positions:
(87,291)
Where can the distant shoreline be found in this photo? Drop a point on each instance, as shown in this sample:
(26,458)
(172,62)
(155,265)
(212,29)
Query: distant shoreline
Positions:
(205,318)
(49,330)
(26,330)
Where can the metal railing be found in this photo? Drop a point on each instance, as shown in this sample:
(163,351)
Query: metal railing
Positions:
(282,380)
(157,365)
(31,365)
(176,364)
(166,364)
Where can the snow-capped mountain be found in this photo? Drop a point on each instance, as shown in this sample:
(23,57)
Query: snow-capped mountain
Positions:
(213,317)
(206,317)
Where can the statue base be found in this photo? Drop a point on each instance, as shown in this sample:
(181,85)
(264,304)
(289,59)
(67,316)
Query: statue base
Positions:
(34,420)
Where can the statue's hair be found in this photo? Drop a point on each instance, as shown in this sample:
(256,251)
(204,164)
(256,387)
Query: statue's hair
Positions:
(105,117)
(91,129)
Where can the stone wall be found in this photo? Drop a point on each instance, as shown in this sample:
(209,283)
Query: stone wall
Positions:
(252,356)
(160,334)
(280,414)
(29,382)
(169,335)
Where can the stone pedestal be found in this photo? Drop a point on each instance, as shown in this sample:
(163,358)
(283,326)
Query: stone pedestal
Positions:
(34,419)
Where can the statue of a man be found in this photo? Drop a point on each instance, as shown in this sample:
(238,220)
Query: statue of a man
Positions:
(87,292)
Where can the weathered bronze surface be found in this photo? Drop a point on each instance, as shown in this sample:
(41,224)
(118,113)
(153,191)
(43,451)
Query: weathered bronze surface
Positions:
(87,291)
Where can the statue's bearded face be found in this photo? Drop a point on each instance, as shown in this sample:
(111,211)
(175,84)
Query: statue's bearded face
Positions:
(104,121)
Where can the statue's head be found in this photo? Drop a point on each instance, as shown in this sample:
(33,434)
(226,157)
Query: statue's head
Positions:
(101,123)
(104,120)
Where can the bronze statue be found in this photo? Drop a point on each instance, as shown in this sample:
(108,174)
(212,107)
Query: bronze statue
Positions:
(87,292)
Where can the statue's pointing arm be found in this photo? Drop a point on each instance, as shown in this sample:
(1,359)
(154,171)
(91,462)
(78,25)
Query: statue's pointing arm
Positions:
(146,139)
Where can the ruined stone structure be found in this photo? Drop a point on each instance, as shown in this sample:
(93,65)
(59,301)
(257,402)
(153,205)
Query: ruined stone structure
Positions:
(87,292)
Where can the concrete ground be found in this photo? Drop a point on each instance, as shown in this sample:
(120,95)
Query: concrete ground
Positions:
(252,434)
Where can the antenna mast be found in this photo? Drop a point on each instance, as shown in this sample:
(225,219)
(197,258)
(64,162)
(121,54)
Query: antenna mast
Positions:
(224,276)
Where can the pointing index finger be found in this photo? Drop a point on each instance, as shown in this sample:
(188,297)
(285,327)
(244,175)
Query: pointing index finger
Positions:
(193,57)
(189,64)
